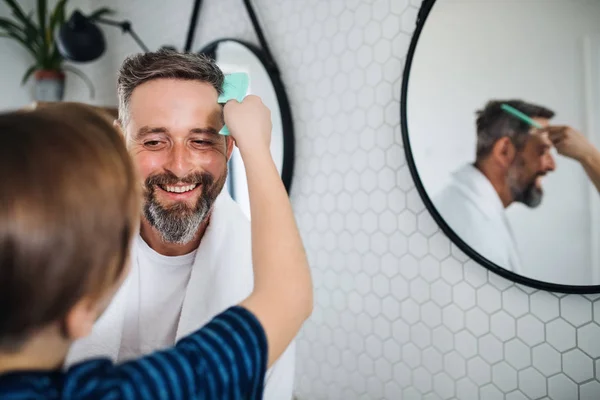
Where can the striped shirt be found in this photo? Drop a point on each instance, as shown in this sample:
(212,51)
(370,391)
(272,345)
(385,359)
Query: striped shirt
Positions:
(226,359)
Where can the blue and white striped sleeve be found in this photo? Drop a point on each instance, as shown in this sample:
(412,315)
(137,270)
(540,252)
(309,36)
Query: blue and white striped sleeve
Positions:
(225,359)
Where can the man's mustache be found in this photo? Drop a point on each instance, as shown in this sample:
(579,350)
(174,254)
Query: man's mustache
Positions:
(169,178)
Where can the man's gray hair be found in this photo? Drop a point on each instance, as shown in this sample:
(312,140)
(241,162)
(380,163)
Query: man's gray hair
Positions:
(493,123)
(166,64)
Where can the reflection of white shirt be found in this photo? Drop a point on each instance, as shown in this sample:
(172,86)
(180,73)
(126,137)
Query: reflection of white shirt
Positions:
(472,208)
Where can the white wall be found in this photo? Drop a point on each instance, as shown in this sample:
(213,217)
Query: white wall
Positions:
(399,313)
(470,53)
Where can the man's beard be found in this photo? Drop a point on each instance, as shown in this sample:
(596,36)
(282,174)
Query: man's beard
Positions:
(179,223)
(526,193)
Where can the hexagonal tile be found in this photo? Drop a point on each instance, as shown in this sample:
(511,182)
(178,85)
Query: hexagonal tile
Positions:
(410,311)
(426,224)
(422,380)
(411,355)
(443,386)
(364,324)
(397,7)
(479,371)
(419,290)
(431,314)
(561,387)
(383,370)
(477,322)
(390,27)
(432,360)
(491,392)
(466,389)
(407,222)
(505,377)
(503,326)
(400,331)
(409,267)
(391,351)
(464,296)
(561,335)
(442,339)
(420,335)
(530,330)
(516,395)
(499,282)
(515,301)
(544,306)
(453,318)
(466,344)
(399,287)
(429,268)
(546,359)
(441,293)
(414,202)
(589,391)
(402,374)
(577,366)
(587,339)
(439,245)
(475,274)
(576,309)
(517,354)
(382,327)
(490,348)
(372,305)
(488,299)
(451,271)
(391,390)
(417,245)
(532,383)
(387,222)
(455,365)
(409,16)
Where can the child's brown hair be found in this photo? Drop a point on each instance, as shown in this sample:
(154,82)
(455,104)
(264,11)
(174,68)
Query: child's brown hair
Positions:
(69,205)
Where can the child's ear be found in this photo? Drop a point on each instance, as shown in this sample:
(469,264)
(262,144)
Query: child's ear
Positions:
(79,321)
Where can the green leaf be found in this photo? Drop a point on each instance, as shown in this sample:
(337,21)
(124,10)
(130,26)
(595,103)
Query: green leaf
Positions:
(43,37)
(83,77)
(28,73)
(10,25)
(18,12)
(101,12)
(58,16)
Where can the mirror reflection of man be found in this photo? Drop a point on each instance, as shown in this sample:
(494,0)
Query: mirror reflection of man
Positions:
(509,166)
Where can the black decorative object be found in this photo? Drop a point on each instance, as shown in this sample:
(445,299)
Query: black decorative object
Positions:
(81,40)
(552,287)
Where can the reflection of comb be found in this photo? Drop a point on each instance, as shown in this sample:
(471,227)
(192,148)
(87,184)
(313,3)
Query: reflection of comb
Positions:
(235,87)
(525,118)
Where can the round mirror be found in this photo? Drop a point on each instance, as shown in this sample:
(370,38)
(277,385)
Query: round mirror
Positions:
(501,125)
(232,55)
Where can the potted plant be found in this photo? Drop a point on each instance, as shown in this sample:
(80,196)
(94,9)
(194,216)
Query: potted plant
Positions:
(35,32)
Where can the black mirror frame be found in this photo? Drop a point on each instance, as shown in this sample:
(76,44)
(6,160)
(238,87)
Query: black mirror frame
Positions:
(424,11)
(287,124)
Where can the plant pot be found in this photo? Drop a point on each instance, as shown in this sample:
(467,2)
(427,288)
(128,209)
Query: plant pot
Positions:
(49,85)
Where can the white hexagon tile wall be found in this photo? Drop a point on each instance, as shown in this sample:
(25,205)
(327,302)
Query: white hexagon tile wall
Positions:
(400,312)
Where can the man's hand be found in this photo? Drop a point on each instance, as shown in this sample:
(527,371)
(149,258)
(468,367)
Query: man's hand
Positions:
(569,142)
(249,123)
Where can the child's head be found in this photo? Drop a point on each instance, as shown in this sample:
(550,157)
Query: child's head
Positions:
(69,205)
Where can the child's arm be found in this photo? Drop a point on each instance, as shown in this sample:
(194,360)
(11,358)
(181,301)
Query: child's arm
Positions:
(282,295)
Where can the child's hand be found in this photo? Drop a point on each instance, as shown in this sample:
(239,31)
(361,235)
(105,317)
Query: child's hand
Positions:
(249,122)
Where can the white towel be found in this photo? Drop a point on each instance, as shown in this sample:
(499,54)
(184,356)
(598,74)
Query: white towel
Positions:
(221,277)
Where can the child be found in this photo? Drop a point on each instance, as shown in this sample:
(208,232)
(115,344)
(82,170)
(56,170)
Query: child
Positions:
(69,206)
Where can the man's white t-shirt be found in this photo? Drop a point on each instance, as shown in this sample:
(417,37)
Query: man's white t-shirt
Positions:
(154,301)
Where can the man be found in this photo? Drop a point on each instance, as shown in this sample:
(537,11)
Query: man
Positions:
(510,162)
(192,257)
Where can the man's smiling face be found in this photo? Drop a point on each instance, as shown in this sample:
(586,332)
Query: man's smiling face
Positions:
(172,135)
